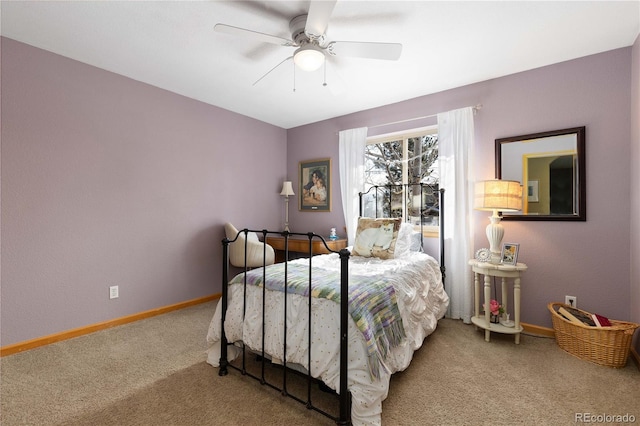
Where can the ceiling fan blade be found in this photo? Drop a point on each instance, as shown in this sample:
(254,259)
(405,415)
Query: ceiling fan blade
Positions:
(266,38)
(318,17)
(272,10)
(333,80)
(272,69)
(359,49)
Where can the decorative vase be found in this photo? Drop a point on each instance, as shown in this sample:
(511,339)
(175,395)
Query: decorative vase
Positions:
(495,319)
(506,321)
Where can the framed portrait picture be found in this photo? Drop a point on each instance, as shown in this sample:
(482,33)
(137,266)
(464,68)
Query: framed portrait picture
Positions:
(509,254)
(315,185)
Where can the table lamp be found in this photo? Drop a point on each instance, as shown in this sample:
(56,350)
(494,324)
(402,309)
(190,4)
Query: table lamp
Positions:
(287,190)
(497,196)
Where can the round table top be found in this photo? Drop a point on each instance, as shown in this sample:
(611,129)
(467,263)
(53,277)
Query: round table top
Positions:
(521,267)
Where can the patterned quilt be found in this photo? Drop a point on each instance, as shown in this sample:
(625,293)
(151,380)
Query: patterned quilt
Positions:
(372,302)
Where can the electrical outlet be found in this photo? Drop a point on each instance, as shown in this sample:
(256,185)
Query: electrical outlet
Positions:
(571,301)
(113,292)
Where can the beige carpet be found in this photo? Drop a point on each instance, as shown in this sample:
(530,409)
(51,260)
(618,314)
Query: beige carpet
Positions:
(153,373)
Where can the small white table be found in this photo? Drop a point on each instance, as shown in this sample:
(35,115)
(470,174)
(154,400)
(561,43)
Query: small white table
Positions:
(503,271)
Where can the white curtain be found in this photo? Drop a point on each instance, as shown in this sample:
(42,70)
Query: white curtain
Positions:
(352,144)
(455,153)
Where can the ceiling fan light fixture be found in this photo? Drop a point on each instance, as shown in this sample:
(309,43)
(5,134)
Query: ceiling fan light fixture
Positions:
(309,57)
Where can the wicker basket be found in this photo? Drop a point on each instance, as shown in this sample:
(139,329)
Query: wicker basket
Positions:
(607,346)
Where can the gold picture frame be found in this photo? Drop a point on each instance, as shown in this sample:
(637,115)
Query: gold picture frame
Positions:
(314,179)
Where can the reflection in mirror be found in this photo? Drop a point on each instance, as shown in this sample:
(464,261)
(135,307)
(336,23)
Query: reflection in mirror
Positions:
(551,168)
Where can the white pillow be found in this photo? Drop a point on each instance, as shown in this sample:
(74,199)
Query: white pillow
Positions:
(416,241)
(404,243)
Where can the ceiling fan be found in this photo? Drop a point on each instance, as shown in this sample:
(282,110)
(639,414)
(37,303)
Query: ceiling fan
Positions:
(308,37)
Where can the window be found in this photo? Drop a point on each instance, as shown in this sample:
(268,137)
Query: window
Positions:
(408,158)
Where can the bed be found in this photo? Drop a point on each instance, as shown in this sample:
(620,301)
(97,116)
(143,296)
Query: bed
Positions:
(351,345)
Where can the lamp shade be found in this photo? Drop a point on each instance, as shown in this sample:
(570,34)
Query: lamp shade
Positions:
(308,57)
(498,195)
(287,189)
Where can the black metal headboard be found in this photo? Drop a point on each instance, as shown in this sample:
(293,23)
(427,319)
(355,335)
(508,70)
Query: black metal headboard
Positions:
(431,200)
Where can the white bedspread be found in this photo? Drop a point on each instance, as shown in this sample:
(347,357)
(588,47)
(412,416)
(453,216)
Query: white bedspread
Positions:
(421,299)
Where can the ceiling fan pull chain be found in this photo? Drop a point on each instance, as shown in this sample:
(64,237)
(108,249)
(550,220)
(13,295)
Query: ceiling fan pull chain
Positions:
(325,73)
(294,76)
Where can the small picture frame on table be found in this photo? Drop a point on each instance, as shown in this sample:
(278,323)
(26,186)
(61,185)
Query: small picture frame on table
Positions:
(509,255)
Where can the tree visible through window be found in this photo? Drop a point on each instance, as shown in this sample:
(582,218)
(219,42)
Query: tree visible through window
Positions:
(409,159)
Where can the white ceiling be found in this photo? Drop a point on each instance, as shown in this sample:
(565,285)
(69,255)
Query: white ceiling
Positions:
(172,45)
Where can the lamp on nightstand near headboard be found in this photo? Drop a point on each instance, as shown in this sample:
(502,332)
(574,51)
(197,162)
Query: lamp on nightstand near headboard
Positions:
(497,196)
(287,190)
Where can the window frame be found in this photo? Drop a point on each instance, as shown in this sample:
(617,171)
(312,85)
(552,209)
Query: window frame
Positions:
(428,231)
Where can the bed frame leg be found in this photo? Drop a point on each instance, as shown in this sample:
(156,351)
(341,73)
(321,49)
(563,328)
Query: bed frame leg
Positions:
(223,368)
(223,337)
(345,406)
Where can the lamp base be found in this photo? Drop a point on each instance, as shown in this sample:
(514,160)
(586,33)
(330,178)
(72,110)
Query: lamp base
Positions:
(495,258)
(286,213)
(495,232)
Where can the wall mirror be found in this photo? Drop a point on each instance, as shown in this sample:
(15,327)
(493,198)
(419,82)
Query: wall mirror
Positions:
(551,168)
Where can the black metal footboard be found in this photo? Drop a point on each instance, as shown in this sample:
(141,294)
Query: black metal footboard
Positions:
(344,397)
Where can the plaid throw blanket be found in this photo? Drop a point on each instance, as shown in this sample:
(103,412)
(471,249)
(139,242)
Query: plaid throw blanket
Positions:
(372,303)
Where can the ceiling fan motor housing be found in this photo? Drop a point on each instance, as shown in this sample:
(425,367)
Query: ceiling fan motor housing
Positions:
(298,34)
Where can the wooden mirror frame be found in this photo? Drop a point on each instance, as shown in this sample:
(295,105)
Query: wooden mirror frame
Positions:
(579,192)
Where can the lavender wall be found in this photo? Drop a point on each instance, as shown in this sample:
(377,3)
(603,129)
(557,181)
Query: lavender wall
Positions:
(108,181)
(590,259)
(635,188)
